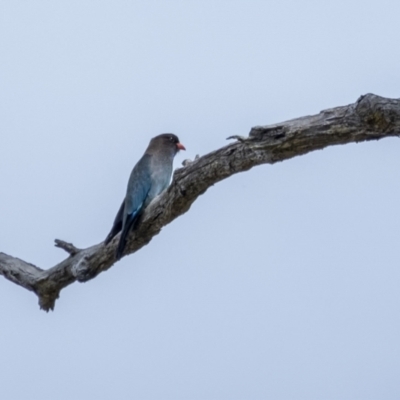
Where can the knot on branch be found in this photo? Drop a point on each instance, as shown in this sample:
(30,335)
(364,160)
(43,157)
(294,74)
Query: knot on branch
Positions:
(83,267)
(378,113)
(81,270)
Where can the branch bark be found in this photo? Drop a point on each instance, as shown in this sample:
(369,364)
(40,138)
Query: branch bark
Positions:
(371,117)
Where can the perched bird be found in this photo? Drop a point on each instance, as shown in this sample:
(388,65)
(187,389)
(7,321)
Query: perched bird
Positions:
(150,176)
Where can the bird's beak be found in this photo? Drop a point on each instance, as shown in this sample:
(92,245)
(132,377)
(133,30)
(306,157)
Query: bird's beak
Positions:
(180,146)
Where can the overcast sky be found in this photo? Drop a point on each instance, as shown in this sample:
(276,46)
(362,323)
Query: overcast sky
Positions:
(279,283)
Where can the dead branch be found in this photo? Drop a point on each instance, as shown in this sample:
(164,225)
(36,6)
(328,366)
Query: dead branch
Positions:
(370,118)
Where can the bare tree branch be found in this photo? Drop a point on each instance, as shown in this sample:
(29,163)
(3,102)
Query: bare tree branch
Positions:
(370,118)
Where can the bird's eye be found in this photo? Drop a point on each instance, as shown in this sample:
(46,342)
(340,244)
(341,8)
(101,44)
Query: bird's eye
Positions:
(171,138)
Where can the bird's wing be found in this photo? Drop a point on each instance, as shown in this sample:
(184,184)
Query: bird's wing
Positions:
(139,186)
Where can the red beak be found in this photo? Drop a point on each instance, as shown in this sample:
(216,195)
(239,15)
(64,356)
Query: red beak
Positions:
(180,146)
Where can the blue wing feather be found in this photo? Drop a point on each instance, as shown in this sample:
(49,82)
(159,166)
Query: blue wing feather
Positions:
(139,186)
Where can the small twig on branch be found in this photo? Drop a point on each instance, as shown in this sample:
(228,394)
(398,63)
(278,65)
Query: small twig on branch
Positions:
(237,137)
(68,247)
(186,162)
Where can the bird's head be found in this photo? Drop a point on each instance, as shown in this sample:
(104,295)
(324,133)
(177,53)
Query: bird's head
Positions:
(167,141)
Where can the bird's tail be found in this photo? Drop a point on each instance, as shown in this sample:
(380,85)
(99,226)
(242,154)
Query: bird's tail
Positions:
(130,224)
(121,246)
(114,231)
(117,226)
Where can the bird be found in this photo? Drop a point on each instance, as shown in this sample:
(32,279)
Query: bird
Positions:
(149,177)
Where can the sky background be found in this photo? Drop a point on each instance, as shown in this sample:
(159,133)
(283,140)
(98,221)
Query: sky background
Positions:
(279,283)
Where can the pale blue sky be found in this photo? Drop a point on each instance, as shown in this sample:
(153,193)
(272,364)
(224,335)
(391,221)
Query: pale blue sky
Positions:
(279,283)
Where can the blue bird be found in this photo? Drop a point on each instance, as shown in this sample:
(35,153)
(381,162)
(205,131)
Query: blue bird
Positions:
(150,176)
